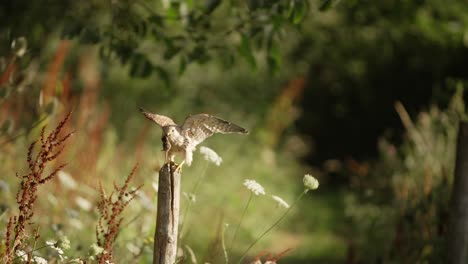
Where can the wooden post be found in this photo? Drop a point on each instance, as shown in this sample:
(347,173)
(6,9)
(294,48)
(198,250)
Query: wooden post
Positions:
(458,237)
(167,220)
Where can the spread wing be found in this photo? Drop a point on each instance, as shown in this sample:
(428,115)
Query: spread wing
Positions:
(201,126)
(158,119)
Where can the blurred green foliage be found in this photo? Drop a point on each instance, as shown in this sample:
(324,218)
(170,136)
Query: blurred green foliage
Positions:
(312,80)
(362,56)
(398,213)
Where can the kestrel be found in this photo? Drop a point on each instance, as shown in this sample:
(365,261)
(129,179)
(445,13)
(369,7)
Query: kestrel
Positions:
(196,128)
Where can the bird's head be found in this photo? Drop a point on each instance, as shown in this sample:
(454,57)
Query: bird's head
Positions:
(171,130)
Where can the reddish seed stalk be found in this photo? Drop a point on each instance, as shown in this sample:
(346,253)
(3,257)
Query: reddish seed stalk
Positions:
(50,149)
(110,215)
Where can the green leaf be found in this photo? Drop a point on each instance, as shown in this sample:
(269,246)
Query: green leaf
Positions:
(198,54)
(299,11)
(90,36)
(140,66)
(274,58)
(163,75)
(171,51)
(325,5)
(71,29)
(245,50)
(157,20)
(172,12)
(211,6)
(182,65)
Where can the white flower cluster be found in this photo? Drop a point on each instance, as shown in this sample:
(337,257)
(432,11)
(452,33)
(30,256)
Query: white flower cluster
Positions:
(62,244)
(35,259)
(39,260)
(310,182)
(210,155)
(254,187)
(54,245)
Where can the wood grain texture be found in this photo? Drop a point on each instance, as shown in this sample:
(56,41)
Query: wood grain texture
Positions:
(167,220)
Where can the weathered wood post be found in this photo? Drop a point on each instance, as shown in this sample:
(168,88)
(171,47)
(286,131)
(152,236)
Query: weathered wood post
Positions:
(167,220)
(458,230)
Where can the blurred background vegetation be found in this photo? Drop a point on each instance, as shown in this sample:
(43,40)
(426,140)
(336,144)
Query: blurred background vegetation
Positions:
(365,95)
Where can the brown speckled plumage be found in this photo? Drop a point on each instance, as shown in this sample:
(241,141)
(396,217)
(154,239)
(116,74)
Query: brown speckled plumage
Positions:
(196,128)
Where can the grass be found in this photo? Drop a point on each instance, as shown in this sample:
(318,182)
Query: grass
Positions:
(220,198)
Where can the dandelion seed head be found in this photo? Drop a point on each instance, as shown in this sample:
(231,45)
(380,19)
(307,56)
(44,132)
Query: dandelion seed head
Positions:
(280,202)
(210,155)
(254,187)
(310,182)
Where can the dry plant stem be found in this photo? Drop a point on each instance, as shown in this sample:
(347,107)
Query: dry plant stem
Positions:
(167,220)
(272,226)
(240,221)
(50,148)
(110,215)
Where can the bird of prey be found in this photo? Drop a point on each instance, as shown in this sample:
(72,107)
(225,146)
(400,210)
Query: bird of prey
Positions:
(196,128)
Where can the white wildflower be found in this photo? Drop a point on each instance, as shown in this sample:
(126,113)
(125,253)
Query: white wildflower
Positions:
(310,182)
(39,260)
(54,244)
(270,262)
(254,187)
(22,255)
(83,203)
(67,180)
(256,262)
(96,250)
(280,201)
(64,242)
(210,155)
(190,196)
